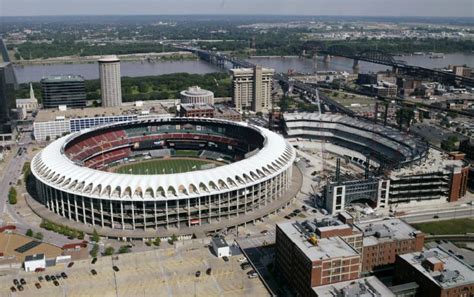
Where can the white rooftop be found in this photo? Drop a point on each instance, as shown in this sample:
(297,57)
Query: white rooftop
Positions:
(385,230)
(364,287)
(455,273)
(326,248)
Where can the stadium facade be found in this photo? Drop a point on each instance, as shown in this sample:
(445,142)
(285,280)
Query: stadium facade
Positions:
(75,179)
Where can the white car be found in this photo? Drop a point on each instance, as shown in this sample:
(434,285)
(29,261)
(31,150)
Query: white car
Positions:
(242,259)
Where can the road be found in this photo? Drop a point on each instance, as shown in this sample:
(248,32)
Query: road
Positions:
(12,174)
(457,212)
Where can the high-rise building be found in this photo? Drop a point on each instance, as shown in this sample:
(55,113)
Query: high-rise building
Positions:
(252,88)
(66,90)
(110,85)
(7,91)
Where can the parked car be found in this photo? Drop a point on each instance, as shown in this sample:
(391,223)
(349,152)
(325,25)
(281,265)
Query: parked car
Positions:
(70,264)
(23,281)
(93,272)
(56,283)
(48,278)
(225,258)
(64,275)
(40,278)
(198,273)
(94,260)
(245,265)
(37,285)
(209,271)
(435,217)
(287,217)
(252,274)
(115,268)
(53,278)
(16,282)
(264,232)
(13,289)
(20,288)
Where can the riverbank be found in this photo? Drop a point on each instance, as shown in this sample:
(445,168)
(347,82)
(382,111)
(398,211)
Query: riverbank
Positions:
(141,57)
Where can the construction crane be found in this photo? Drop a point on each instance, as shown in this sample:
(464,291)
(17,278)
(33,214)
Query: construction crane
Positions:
(320,126)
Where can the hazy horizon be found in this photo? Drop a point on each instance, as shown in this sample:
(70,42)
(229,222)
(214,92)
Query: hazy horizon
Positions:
(375,8)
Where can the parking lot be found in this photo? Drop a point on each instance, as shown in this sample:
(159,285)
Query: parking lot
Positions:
(161,272)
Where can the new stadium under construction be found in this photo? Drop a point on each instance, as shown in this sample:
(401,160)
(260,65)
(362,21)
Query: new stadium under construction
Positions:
(403,168)
(242,172)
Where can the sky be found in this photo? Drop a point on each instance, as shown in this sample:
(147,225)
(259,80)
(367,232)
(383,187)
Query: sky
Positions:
(446,8)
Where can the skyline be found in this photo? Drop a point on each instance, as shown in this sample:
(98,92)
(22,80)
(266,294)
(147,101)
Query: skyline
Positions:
(402,8)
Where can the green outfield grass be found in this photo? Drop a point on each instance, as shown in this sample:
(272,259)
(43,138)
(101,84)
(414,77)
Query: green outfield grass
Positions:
(164,166)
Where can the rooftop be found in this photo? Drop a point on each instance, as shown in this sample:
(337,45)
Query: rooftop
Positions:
(219,242)
(364,287)
(110,58)
(325,248)
(45,115)
(379,231)
(34,257)
(195,91)
(247,71)
(196,106)
(62,78)
(455,271)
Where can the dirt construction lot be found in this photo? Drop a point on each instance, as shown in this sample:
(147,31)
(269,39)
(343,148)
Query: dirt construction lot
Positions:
(161,272)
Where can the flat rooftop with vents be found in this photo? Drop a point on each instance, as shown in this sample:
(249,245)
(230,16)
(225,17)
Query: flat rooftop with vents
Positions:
(376,232)
(441,268)
(325,248)
(364,287)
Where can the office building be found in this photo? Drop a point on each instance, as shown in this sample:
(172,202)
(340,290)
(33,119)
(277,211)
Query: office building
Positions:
(462,71)
(385,239)
(205,110)
(110,84)
(51,124)
(195,94)
(61,90)
(307,261)
(198,110)
(7,92)
(252,88)
(437,272)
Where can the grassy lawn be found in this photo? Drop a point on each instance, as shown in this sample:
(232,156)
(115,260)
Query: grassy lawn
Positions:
(163,166)
(457,226)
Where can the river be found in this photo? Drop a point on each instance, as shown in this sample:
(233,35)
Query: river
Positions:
(34,73)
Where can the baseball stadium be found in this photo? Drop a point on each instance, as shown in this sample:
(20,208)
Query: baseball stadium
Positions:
(178,173)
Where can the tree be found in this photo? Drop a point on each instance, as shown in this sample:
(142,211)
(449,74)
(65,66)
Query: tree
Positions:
(94,250)
(172,239)
(29,233)
(39,235)
(80,235)
(109,251)
(157,241)
(124,249)
(95,236)
(12,196)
